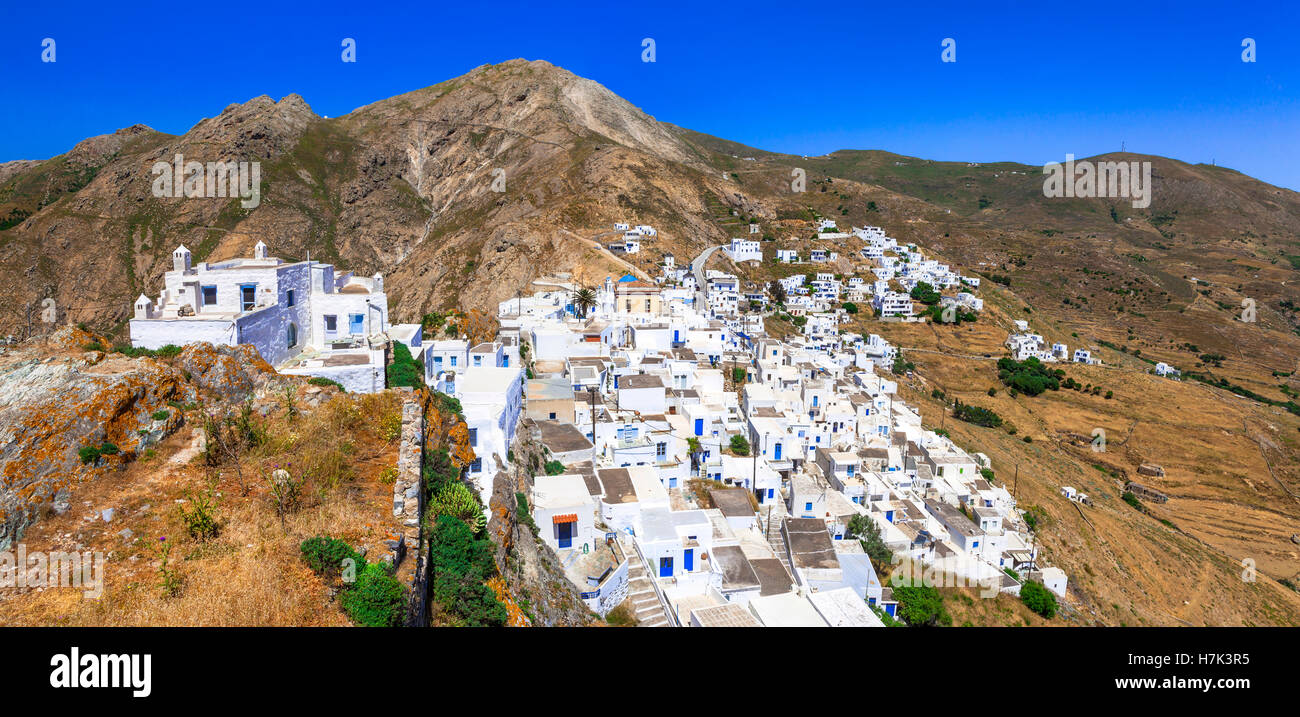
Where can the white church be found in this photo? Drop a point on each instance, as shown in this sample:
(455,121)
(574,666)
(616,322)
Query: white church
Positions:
(303,318)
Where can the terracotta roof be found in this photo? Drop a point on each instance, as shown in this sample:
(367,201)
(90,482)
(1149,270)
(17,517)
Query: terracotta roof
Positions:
(566,518)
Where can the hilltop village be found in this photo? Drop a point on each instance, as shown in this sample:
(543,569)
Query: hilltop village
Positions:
(698,471)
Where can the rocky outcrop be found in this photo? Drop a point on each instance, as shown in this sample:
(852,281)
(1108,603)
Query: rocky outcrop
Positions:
(56,399)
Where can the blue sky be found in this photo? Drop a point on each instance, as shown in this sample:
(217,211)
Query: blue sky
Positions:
(1032,80)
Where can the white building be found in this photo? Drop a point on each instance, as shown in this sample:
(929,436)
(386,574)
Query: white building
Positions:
(744,250)
(302,317)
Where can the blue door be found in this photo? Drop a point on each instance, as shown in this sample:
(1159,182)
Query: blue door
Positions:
(699,426)
(777,452)
(565,535)
(665,567)
(356,323)
(688,559)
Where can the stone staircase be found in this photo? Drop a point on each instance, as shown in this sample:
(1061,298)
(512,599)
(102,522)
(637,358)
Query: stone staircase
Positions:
(773,532)
(645,602)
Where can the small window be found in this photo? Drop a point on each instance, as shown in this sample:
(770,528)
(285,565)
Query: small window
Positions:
(209,296)
(476,466)
(552,416)
(289,298)
(453,360)
(292,335)
(331,324)
(473,437)
(807,506)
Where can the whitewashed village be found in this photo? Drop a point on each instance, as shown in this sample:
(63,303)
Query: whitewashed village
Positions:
(699,472)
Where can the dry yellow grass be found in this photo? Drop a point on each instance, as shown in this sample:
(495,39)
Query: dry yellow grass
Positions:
(1127,567)
(251,574)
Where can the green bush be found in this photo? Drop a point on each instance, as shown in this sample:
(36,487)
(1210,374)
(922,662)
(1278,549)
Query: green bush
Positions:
(161,415)
(88,454)
(974,414)
(325,555)
(1030,376)
(461,563)
(376,600)
(322,381)
(1038,598)
(404,370)
(925,293)
(108,449)
(921,606)
(201,518)
(525,516)
(554,468)
(168,351)
(739,445)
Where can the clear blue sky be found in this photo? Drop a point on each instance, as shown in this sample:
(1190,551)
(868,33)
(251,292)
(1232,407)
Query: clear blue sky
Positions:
(1032,81)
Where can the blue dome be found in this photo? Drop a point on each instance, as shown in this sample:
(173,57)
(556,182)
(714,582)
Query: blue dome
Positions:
(627,277)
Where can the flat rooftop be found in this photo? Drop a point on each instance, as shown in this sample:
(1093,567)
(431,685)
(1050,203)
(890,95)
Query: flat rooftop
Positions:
(810,543)
(733,502)
(729,615)
(737,573)
(617,485)
(562,437)
(773,578)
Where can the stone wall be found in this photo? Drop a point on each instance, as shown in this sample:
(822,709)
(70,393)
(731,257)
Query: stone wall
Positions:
(408,507)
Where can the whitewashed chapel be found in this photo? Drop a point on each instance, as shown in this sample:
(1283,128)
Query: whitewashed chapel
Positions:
(301,316)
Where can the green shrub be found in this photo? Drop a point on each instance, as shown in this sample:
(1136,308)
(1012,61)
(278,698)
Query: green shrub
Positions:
(325,555)
(201,519)
(161,415)
(322,381)
(554,468)
(974,414)
(921,606)
(925,293)
(88,454)
(461,563)
(1030,377)
(108,449)
(404,370)
(376,600)
(739,445)
(456,500)
(1038,598)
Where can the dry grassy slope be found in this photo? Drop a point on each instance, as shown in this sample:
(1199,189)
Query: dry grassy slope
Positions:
(1224,506)
(252,573)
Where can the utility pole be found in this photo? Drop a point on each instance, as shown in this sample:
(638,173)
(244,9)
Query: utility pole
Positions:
(591,391)
(1015,489)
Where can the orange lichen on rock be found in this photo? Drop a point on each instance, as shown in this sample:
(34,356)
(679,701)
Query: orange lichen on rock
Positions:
(515,616)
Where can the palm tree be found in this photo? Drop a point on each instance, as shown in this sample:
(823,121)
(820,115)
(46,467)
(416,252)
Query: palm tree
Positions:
(584,300)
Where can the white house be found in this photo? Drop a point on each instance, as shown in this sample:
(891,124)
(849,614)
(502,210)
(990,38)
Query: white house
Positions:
(564,511)
(744,250)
